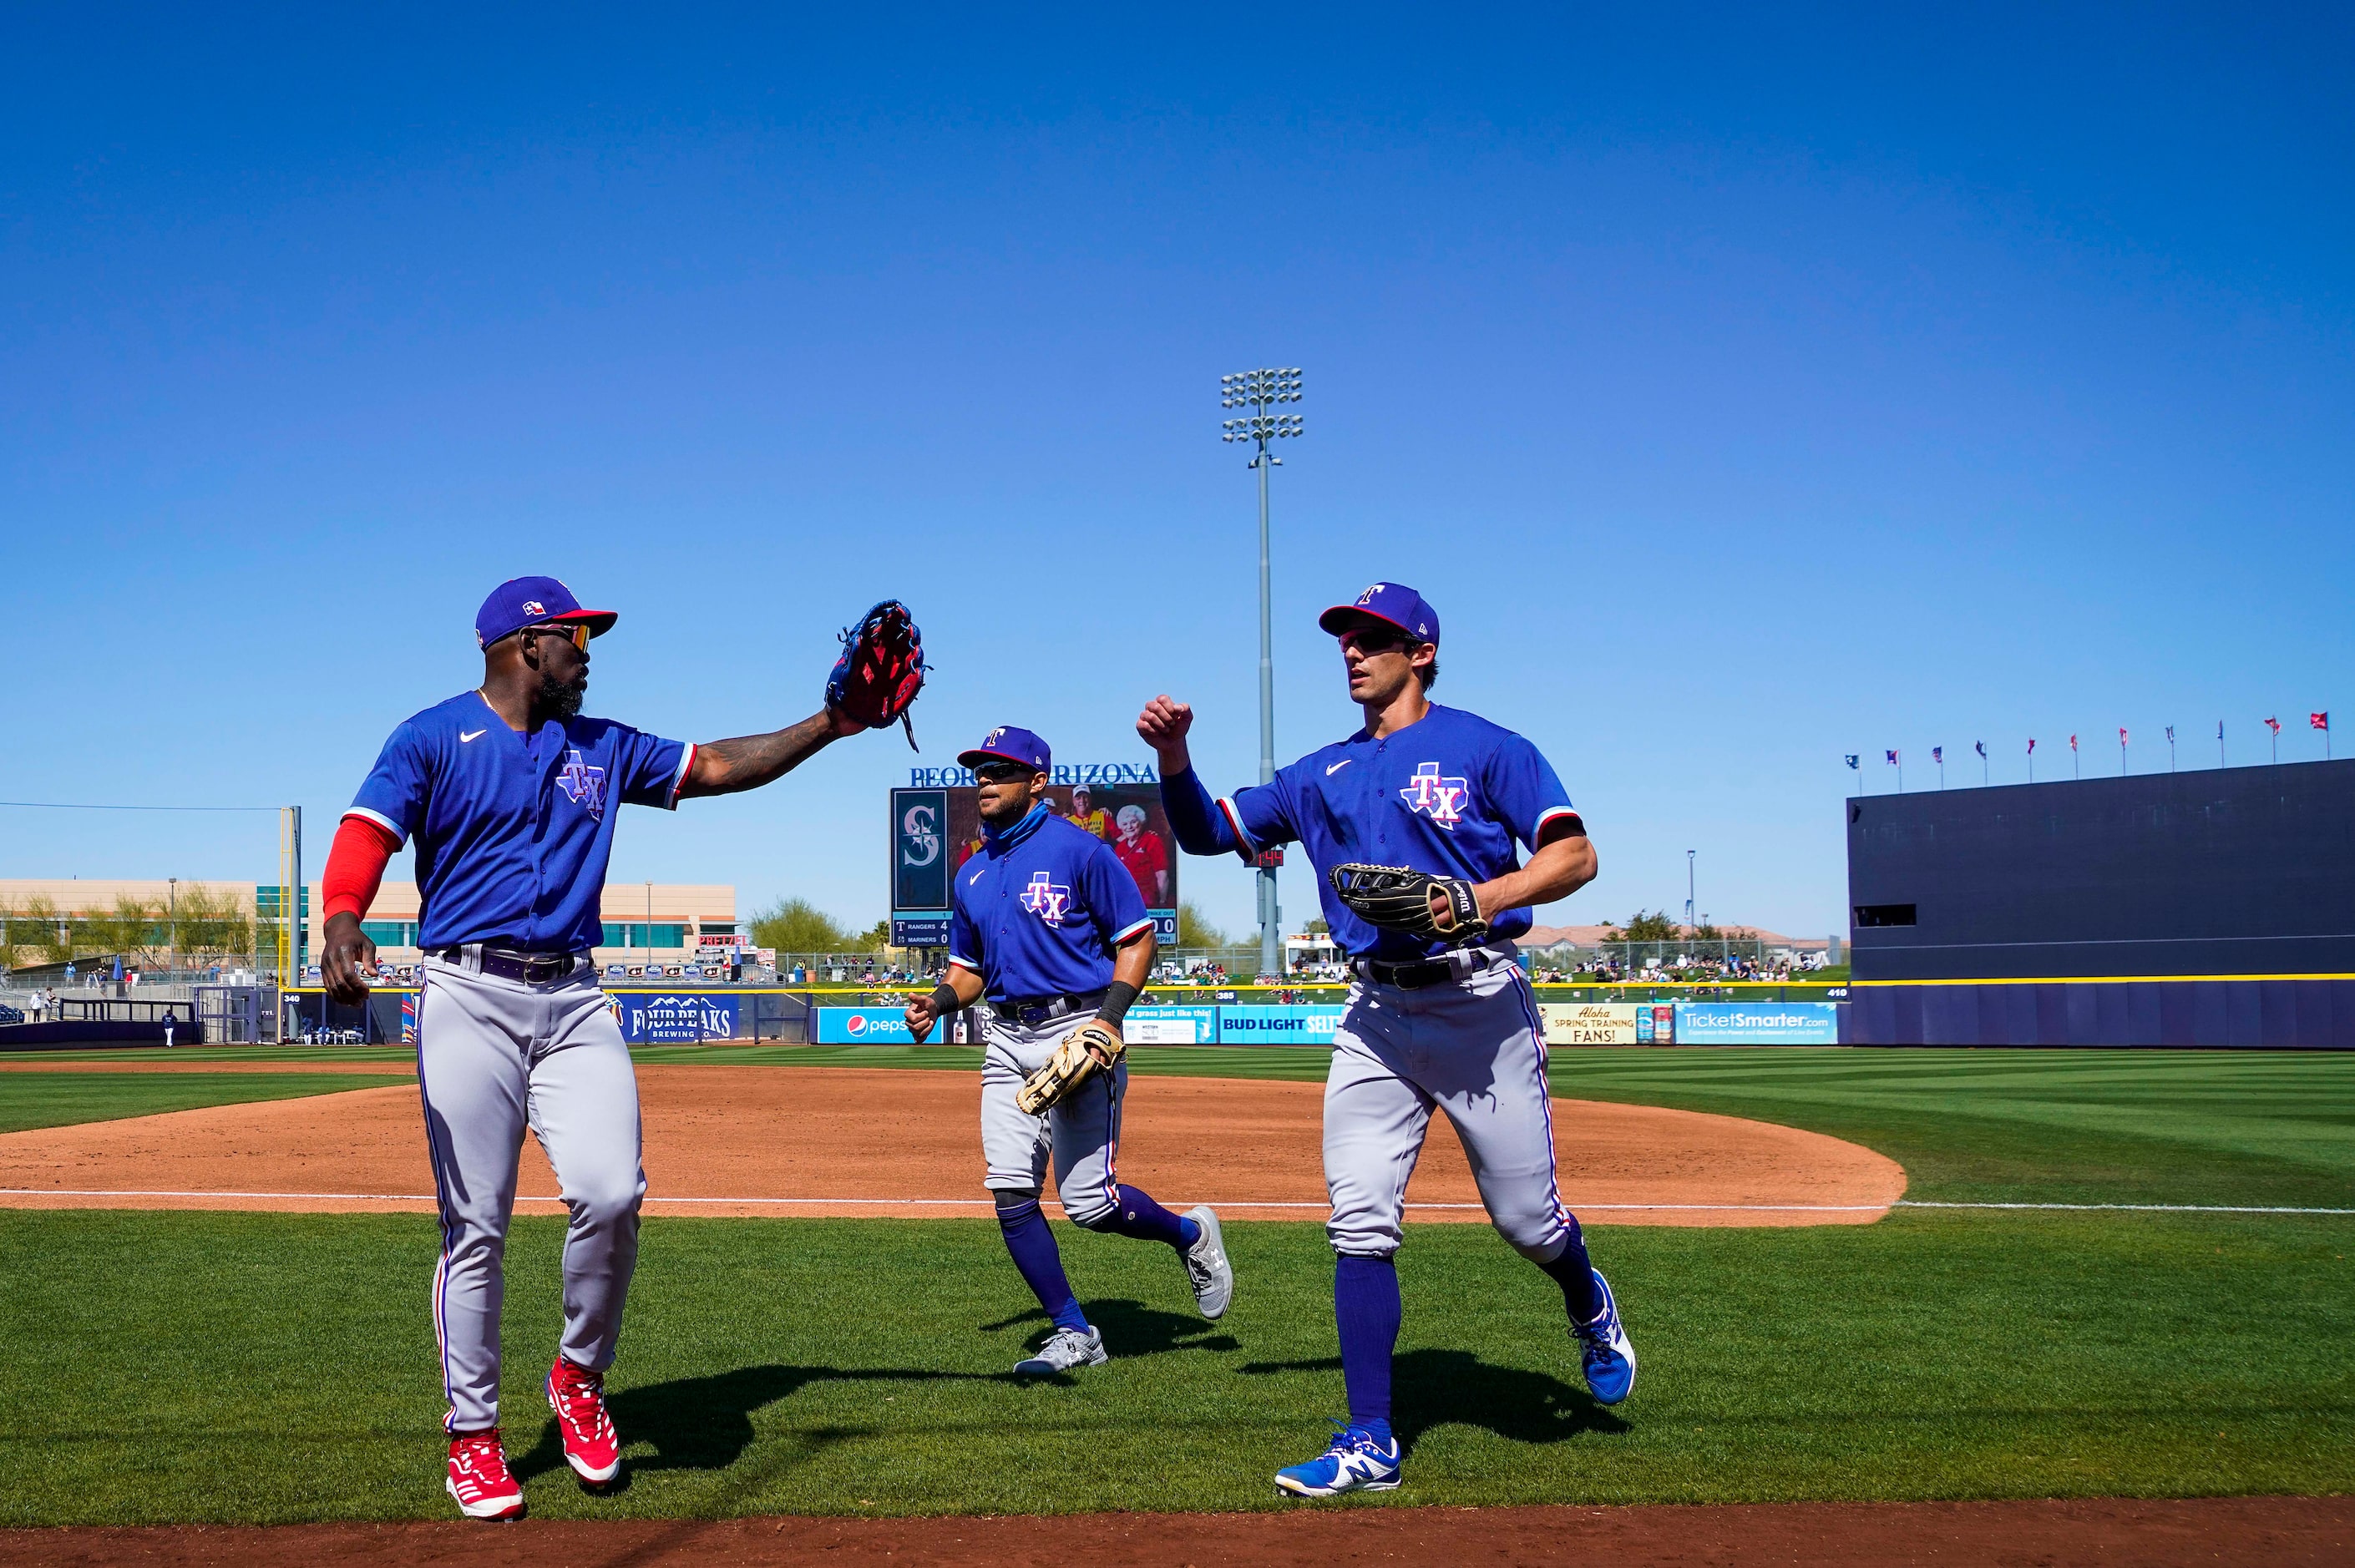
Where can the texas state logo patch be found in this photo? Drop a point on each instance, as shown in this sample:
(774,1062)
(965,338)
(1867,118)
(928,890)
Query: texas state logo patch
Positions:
(1429,795)
(1046,898)
(583,784)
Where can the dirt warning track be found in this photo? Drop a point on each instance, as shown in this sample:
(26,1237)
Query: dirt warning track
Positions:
(745,1140)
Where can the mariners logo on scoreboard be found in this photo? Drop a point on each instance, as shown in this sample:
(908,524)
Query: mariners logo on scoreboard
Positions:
(1440,800)
(1047,900)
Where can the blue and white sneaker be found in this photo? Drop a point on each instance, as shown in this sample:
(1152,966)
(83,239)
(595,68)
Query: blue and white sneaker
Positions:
(1610,1359)
(1355,1463)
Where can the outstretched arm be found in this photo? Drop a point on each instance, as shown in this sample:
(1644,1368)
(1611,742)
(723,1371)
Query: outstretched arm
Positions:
(725,767)
(1201,827)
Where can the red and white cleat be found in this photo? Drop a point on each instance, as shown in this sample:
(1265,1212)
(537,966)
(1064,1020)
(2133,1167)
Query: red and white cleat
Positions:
(479,1478)
(592,1446)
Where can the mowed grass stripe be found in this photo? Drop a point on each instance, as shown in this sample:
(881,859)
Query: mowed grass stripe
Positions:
(30,1100)
(200,1367)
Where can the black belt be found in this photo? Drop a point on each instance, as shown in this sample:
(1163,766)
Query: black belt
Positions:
(531,969)
(1037,1010)
(1461,964)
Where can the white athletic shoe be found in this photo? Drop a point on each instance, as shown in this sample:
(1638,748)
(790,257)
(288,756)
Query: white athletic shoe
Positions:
(1207,1264)
(1064,1348)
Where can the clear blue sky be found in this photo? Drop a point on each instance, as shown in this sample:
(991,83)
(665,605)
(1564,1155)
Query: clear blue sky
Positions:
(1745,387)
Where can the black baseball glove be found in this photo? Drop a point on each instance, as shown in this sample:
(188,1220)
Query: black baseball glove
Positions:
(1398,899)
(882,669)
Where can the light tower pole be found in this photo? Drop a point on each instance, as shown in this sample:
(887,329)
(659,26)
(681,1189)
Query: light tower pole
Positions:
(1264,392)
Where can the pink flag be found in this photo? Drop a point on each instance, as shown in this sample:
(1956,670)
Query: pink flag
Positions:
(2274,725)
(2073,742)
(2319,721)
(2031,746)
(2122,737)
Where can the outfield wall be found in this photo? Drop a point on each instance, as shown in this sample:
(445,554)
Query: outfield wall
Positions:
(2214,907)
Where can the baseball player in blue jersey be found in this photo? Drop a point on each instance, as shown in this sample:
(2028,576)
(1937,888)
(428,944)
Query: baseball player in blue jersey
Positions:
(1049,931)
(1415,818)
(509,795)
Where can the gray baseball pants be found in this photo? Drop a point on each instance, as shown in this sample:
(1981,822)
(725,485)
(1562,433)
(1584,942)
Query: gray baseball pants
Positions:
(1081,1134)
(1473,1048)
(495,1056)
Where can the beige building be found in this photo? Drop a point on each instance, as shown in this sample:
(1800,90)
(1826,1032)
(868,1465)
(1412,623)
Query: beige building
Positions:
(657,922)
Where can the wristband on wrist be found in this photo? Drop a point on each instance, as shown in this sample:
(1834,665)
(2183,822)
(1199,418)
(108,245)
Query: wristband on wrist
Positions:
(1117,997)
(945,1001)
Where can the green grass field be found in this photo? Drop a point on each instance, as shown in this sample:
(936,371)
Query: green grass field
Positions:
(258,1367)
(29,1100)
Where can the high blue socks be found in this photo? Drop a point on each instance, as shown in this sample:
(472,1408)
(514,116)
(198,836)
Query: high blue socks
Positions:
(1032,1242)
(1575,1274)
(1138,1215)
(1367,1310)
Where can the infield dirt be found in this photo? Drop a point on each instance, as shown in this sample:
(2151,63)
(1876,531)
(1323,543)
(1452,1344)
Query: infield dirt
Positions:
(2232,1532)
(893,1142)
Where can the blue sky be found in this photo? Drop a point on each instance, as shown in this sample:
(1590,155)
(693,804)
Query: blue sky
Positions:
(1744,389)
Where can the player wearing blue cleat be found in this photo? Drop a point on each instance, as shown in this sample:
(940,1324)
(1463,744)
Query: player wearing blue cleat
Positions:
(1357,1462)
(1413,822)
(1609,1359)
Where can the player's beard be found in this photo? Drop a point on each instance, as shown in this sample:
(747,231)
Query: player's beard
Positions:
(560,700)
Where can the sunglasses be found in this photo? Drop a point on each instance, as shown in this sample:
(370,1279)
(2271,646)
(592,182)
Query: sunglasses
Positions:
(1369,641)
(575,632)
(1002,773)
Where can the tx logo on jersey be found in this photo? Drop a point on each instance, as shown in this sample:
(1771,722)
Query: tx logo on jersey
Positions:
(1440,800)
(584,784)
(1046,899)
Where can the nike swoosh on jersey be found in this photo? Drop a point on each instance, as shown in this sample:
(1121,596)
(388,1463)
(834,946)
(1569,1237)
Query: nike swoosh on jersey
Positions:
(1339,766)
(464,736)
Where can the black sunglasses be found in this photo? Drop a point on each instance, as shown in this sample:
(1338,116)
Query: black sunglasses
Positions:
(1371,640)
(1002,772)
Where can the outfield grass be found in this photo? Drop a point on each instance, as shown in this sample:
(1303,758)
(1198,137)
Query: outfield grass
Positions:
(208,1366)
(267,1367)
(28,1100)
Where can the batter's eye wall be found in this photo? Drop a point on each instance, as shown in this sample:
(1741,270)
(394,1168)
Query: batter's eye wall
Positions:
(2243,876)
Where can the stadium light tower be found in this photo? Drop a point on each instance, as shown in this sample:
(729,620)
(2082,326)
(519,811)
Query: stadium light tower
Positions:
(1264,392)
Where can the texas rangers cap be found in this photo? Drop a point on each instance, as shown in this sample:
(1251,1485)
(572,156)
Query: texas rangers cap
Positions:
(1393,603)
(527,601)
(1007,744)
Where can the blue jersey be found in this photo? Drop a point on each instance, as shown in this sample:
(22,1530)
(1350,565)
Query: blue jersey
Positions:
(513,831)
(1040,909)
(1449,794)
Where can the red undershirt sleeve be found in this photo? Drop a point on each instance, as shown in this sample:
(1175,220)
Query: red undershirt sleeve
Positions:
(355,865)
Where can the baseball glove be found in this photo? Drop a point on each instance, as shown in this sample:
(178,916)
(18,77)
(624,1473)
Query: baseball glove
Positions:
(1398,899)
(882,669)
(1090,1049)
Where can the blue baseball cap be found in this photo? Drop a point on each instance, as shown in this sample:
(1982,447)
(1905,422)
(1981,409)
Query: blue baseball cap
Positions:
(1393,604)
(528,601)
(1007,744)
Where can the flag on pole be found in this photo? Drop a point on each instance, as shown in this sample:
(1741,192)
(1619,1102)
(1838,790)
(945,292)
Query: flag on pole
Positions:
(2319,721)
(2170,734)
(2122,736)
(2274,725)
(1979,747)
(2031,746)
(2073,742)
(1851,759)
(1892,759)
(1937,754)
